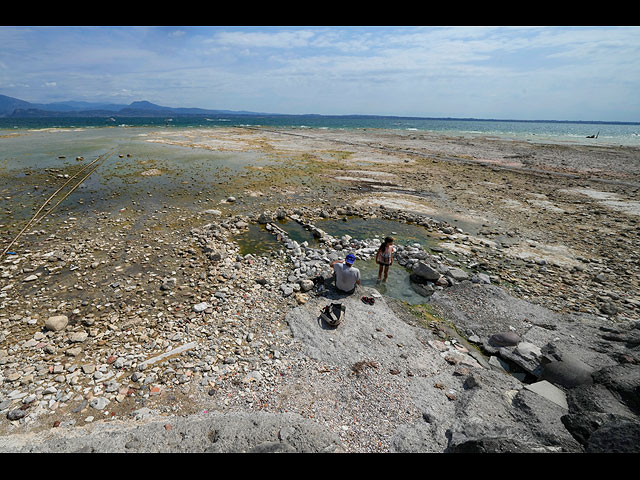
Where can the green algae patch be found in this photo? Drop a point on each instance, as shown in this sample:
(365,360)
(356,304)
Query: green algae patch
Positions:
(426,315)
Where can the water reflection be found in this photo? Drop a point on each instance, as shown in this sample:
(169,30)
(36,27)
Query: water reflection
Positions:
(257,240)
(366,228)
(397,284)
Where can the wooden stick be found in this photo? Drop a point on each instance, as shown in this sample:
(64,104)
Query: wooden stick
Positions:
(53,195)
(68,193)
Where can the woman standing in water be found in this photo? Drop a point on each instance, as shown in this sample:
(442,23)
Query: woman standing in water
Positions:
(384,258)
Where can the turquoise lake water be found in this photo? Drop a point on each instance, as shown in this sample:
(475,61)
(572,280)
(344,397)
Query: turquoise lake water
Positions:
(609,133)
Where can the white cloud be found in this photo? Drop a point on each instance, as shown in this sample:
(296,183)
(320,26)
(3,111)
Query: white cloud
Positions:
(333,69)
(279,39)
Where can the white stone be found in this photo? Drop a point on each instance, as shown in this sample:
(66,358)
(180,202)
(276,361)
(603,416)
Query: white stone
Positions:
(56,323)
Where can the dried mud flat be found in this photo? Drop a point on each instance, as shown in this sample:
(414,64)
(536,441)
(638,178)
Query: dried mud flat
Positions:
(555,225)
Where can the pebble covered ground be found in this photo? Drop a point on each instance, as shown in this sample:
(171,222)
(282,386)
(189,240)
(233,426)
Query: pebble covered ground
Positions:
(90,305)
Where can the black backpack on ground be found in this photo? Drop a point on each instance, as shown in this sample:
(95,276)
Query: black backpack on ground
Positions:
(333,314)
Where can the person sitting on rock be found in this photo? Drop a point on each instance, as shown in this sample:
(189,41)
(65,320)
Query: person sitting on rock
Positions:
(347,276)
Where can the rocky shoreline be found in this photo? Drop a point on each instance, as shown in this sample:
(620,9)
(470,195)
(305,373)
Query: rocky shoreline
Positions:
(519,347)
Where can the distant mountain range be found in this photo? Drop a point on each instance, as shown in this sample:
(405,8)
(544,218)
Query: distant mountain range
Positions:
(15,108)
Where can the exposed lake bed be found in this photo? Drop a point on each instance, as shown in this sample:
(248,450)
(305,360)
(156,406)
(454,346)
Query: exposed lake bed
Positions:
(130,254)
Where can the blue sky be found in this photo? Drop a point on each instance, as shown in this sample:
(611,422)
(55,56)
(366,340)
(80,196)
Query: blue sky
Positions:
(572,73)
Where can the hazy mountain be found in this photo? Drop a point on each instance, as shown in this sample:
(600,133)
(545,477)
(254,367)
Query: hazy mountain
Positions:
(73,106)
(16,108)
(9,104)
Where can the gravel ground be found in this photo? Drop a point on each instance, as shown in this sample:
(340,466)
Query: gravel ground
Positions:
(127,276)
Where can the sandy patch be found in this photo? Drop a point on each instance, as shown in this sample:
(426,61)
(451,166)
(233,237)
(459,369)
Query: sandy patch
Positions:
(498,161)
(470,242)
(377,157)
(456,248)
(371,173)
(630,207)
(509,203)
(608,199)
(410,203)
(152,172)
(559,255)
(210,144)
(545,205)
(396,201)
(362,179)
(595,194)
(219,140)
(539,202)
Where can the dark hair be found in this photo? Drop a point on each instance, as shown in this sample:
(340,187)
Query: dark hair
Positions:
(384,244)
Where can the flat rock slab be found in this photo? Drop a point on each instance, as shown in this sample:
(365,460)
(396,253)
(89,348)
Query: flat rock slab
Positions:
(203,433)
(550,392)
(485,310)
(367,333)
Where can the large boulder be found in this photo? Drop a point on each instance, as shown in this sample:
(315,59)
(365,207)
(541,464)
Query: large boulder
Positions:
(491,445)
(623,381)
(425,272)
(617,436)
(457,274)
(563,369)
(596,398)
(568,373)
(504,339)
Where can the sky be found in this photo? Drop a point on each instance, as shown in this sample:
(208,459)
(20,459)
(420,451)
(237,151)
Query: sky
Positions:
(521,73)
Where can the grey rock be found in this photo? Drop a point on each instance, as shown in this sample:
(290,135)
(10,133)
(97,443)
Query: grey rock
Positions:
(490,445)
(540,410)
(357,337)
(526,355)
(582,425)
(472,381)
(504,339)
(426,290)
(609,308)
(528,351)
(287,290)
(567,373)
(99,403)
(596,398)
(16,414)
(265,217)
(617,436)
(306,285)
(481,278)
(458,274)
(203,433)
(273,447)
(426,272)
(564,369)
(623,381)
(550,392)
(78,337)
(200,307)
